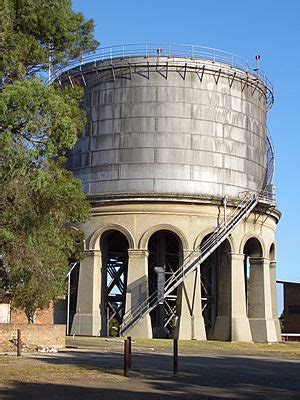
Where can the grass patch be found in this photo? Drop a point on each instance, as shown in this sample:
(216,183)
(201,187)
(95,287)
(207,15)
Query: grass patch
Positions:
(32,371)
(283,349)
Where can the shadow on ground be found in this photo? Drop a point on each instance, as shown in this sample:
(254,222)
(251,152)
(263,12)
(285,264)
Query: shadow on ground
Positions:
(151,378)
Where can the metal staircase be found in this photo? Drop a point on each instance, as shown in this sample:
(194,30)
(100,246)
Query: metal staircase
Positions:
(194,259)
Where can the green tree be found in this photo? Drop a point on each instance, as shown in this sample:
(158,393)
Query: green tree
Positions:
(39,199)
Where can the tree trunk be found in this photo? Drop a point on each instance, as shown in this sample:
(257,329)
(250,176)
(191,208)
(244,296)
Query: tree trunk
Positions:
(30,314)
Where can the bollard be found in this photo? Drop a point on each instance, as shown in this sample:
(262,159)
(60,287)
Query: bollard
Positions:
(19,343)
(126,357)
(129,345)
(175,357)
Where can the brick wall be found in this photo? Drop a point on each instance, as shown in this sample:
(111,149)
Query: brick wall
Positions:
(42,316)
(32,336)
(291,312)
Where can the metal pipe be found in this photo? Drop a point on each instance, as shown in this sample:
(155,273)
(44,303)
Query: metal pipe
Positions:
(68,305)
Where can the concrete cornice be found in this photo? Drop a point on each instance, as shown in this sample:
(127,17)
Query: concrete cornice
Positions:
(110,199)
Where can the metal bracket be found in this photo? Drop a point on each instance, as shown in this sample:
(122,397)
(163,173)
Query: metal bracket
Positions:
(164,68)
(231,79)
(184,73)
(83,80)
(113,72)
(254,88)
(202,73)
(245,83)
(214,75)
(71,82)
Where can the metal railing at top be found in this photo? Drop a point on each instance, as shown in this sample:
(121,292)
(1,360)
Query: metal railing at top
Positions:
(168,50)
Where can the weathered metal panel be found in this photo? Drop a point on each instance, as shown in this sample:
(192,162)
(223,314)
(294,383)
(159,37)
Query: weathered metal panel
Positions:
(170,132)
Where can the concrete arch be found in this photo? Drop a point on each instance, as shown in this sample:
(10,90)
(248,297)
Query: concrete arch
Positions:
(249,236)
(272,251)
(202,235)
(143,242)
(94,241)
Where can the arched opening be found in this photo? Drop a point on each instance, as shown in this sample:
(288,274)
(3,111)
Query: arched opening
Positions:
(165,253)
(114,247)
(252,249)
(272,254)
(214,278)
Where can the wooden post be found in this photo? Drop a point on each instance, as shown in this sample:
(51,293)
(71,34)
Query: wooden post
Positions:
(129,341)
(126,357)
(19,343)
(175,357)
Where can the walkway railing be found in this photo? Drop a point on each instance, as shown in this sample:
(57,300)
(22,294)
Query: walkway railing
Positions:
(168,50)
(195,258)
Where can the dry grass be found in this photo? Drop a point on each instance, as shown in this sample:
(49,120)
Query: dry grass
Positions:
(282,350)
(289,350)
(28,370)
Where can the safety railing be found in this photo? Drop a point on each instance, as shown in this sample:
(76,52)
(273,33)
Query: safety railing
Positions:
(195,258)
(168,50)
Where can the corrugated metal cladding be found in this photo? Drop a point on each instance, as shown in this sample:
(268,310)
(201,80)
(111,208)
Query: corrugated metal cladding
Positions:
(171,134)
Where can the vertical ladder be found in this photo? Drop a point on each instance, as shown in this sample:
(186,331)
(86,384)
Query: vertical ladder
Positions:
(190,263)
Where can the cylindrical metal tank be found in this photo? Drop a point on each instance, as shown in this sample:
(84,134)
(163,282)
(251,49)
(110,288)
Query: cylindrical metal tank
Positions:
(171,122)
(172,130)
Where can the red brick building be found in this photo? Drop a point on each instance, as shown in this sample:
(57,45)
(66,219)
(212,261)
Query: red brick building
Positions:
(291,310)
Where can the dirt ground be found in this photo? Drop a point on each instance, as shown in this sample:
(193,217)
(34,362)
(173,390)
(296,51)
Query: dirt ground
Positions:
(91,368)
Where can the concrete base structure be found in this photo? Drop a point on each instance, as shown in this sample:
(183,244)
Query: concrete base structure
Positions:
(240,314)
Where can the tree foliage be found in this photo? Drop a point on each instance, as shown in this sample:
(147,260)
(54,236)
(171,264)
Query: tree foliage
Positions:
(34,31)
(38,125)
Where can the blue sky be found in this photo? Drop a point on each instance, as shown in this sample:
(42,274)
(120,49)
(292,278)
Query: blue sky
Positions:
(270,28)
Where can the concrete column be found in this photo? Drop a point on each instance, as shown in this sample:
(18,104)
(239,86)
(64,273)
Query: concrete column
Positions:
(240,328)
(222,328)
(137,291)
(260,308)
(189,307)
(87,320)
(274,299)
(232,322)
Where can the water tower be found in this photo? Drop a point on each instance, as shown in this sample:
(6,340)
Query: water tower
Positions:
(177,164)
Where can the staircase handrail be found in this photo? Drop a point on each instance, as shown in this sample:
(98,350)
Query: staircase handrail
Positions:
(247,203)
